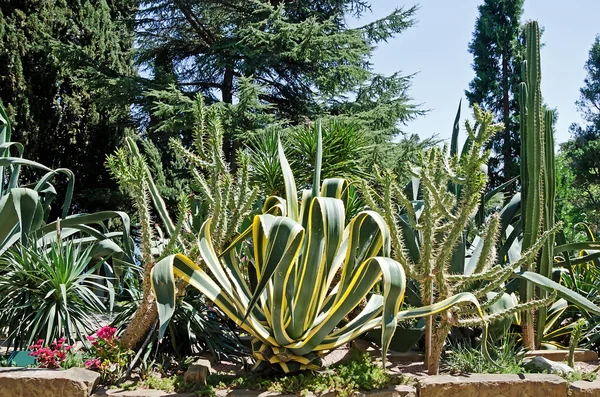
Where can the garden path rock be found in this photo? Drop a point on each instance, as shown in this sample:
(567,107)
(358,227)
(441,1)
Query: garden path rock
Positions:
(492,385)
(137,393)
(542,364)
(582,388)
(39,382)
(197,372)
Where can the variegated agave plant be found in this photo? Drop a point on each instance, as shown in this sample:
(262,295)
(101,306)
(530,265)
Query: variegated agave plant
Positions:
(293,276)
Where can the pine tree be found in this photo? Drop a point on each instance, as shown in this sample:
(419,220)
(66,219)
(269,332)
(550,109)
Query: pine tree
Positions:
(303,55)
(497,57)
(51,53)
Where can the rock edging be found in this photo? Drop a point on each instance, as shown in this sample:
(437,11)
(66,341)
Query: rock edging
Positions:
(28,382)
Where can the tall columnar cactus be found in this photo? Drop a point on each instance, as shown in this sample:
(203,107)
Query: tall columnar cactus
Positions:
(538,181)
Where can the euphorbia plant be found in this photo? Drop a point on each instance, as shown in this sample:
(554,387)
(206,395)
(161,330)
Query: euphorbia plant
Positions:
(278,282)
(435,241)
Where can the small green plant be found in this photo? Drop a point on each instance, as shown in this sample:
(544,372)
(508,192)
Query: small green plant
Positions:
(507,355)
(75,359)
(576,334)
(52,291)
(578,375)
(169,384)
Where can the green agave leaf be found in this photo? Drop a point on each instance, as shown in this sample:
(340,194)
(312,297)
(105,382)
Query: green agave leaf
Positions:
(369,319)
(163,286)
(239,296)
(325,232)
(428,310)
(455,131)
(562,291)
(18,211)
(318,162)
(13,161)
(276,248)
(291,194)
(363,279)
(83,221)
(488,196)
(584,246)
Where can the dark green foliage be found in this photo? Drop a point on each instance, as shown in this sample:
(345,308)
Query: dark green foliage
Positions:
(302,55)
(497,57)
(48,51)
(507,354)
(575,203)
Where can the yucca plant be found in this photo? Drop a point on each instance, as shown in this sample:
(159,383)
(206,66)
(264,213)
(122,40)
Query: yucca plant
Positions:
(344,146)
(278,281)
(50,292)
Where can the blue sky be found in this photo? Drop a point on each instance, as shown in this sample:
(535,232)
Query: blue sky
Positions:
(436,48)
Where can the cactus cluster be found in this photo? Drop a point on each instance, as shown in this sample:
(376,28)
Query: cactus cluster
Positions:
(436,240)
(538,181)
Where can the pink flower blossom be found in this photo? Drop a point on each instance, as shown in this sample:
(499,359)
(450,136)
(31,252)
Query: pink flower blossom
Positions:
(50,357)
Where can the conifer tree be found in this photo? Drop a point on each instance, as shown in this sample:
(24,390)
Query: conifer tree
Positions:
(497,57)
(48,51)
(303,55)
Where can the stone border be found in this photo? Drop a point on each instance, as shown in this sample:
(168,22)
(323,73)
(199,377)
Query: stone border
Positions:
(21,382)
(563,355)
(582,388)
(78,382)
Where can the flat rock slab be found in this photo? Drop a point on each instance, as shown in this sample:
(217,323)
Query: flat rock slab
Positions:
(563,355)
(484,385)
(38,382)
(582,388)
(137,393)
(395,391)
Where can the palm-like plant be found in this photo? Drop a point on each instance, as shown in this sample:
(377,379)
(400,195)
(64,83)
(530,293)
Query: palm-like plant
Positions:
(344,147)
(278,281)
(51,292)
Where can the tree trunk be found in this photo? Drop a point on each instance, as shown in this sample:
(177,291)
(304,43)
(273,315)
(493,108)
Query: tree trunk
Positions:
(427,299)
(435,354)
(142,321)
(146,313)
(527,329)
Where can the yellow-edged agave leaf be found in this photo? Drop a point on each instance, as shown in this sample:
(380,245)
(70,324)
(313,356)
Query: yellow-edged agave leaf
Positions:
(291,193)
(294,275)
